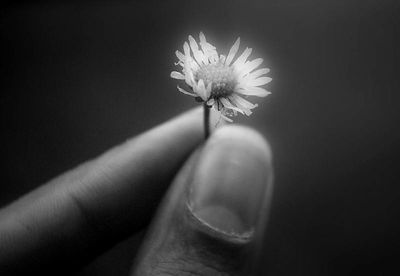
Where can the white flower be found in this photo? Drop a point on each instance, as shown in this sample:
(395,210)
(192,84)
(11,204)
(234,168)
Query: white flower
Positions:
(220,81)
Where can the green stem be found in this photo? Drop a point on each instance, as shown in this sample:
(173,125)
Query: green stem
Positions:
(206,121)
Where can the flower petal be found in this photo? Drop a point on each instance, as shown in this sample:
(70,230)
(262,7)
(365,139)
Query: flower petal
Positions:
(198,55)
(189,78)
(208,90)
(207,48)
(250,66)
(253,91)
(259,72)
(225,118)
(186,92)
(236,99)
(186,50)
(232,52)
(242,59)
(200,90)
(177,75)
(202,38)
(258,82)
(243,104)
(228,105)
(180,56)
(189,65)
(204,44)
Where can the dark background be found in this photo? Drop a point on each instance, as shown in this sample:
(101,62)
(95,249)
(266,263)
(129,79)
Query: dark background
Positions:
(79,77)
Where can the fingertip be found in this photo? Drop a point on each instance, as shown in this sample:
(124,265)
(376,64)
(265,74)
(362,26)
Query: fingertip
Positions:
(243,137)
(213,218)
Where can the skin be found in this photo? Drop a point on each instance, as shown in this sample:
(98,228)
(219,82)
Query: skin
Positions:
(80,214)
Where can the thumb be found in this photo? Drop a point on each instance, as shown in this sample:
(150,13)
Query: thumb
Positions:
(213,218)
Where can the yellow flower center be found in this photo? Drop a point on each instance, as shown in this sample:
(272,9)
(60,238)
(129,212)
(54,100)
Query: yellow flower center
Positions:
(221,77)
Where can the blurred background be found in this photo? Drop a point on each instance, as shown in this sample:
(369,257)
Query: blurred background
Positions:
(81,76)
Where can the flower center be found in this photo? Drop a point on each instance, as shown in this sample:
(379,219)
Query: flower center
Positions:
(221,77)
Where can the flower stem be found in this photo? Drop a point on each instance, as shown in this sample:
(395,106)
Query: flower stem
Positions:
(206,121)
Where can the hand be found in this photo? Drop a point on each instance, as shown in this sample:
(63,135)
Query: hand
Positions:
(211,221)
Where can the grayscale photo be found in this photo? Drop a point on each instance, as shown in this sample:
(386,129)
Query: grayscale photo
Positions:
(200,138)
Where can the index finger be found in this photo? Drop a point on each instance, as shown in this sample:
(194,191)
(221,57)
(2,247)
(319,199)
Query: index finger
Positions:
(84,211)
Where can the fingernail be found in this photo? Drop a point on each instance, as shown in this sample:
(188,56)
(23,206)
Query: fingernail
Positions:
(230,182)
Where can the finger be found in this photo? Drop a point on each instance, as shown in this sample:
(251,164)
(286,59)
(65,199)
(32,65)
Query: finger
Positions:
(84,211)
(213,219)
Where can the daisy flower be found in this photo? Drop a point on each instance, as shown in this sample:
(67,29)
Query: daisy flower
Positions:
(220,81)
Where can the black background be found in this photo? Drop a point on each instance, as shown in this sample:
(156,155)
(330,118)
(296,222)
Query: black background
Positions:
(79,77)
